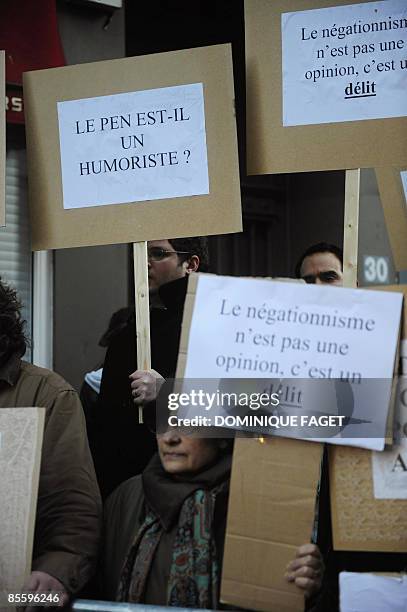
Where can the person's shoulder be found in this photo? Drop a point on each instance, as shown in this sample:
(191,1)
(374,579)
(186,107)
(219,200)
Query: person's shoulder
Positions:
(44,377)
(126,495)
(123,343)
(120,361)
(125,334)
(127,489)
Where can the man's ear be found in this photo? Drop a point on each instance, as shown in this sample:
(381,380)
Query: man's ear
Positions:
(192,264)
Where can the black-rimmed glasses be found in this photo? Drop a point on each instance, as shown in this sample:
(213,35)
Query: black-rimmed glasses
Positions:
(158,253)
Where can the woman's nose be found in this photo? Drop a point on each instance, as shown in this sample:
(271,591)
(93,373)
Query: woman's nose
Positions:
(171,436)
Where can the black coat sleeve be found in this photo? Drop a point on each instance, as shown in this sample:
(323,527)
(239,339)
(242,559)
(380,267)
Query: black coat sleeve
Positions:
(121,446)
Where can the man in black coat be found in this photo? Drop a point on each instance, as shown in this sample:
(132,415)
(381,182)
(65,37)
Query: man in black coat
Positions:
(322,263)
(122,446)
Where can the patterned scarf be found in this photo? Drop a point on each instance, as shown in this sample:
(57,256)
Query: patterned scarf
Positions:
(194,573)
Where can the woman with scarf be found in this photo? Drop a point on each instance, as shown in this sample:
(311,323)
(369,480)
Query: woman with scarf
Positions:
(165,529)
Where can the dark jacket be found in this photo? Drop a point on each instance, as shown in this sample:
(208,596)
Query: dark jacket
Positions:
(121,446)
(125,512)
(69,514)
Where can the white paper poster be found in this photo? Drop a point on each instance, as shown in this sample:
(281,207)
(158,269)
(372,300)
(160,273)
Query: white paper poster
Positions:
(403,357)
(132,147)
(390,467)
(404,182)
(371,593)
(345,63)
(325,342)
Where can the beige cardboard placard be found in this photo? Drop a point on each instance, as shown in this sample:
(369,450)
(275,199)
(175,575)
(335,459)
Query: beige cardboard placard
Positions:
(395,211)
(271,509)
(2,139)
(271,513)
(272,148)
(359,521)
(221,346)
(215,213)
(21,431)
(397,289)
(186,324)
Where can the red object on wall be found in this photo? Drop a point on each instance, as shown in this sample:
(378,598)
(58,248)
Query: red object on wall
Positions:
(29,35)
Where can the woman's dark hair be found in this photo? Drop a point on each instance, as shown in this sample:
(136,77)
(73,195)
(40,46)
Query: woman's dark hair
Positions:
(194,246)
(320,247)
(12,337)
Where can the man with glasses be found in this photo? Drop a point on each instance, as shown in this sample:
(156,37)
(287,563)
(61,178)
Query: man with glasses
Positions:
(321,264)
(167,263)
(121,446)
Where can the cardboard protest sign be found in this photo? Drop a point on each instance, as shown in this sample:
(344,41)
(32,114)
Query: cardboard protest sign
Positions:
(370,592)
(325,84)
(403,290)
(312,342)
(359,521)
(133,149)
(20,429)
(389,467)
(2,139)
(393,198)
(403,330)
(271,513)
(389,475)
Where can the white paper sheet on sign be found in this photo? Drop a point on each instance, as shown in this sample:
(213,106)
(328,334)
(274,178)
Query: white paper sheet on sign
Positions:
(132,147)
(370,593)
(404,182)
(345,63)
(337,345)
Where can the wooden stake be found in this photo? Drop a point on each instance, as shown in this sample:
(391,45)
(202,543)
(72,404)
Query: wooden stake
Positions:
(140,264)
(351,228)
(350,279)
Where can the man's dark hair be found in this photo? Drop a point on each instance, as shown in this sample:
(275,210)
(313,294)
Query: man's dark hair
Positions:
(320,247)
(12,337)
(194,246)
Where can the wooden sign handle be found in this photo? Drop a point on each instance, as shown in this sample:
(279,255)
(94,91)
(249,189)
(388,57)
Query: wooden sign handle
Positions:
(350,278)
(142,304)
(351,228)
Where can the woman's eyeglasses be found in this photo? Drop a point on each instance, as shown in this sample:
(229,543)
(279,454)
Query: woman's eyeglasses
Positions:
(330,276)
(158,253)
